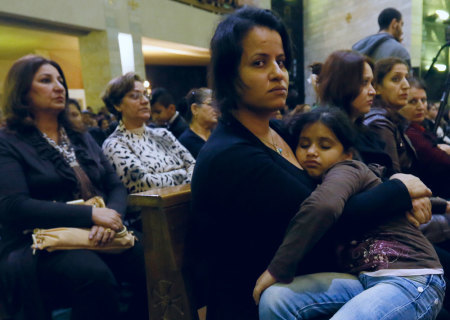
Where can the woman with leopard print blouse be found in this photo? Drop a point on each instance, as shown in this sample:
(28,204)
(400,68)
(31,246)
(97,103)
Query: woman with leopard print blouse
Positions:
(143,157)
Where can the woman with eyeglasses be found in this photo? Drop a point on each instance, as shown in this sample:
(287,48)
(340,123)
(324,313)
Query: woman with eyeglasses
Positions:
(202,117)
(143,157)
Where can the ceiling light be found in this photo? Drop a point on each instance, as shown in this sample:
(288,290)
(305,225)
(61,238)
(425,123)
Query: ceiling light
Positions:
(442,14)
(440,67)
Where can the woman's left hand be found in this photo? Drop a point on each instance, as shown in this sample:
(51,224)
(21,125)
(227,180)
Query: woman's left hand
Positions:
(101,236)
(263,282)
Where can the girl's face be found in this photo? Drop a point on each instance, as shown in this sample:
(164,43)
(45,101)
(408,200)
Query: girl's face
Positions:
(361,105)
(318,149)
(47,92)
(135,106)
(262,71)
(416,108)
(394,87)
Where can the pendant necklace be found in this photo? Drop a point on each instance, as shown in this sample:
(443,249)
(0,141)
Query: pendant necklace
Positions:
(273,144)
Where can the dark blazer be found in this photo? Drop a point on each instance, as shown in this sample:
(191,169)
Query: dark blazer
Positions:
(35,183)
(243,197)
(178,126)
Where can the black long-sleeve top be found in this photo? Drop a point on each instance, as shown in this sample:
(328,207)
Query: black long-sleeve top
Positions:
(243,197)
(35,183)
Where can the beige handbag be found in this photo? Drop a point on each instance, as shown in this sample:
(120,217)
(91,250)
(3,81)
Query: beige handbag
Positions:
(78,238)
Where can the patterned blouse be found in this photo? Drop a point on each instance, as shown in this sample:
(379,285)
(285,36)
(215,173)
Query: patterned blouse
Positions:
(147,158)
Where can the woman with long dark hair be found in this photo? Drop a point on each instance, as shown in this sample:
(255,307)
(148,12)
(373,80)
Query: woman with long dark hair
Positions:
(45,163)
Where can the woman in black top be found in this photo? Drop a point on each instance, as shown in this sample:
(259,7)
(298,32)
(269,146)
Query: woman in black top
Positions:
(247,184)
(44,163)
(202,117)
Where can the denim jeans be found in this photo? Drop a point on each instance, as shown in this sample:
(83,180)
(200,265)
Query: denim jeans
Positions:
(346,297)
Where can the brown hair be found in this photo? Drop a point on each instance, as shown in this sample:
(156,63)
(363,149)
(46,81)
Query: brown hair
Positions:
(116,89)
(15,93)
(341,78)
(384,66)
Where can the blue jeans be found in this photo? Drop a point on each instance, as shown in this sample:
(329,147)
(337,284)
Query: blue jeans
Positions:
(323,295)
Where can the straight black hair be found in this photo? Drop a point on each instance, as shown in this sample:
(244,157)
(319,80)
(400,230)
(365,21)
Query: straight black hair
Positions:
(333,118)
(226,51)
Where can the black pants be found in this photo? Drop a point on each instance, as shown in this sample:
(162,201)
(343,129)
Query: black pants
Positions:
(88,282)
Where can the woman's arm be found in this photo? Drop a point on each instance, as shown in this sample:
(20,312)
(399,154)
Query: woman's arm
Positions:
(184,155)
(17,208)
(115,192)
(318,213)
(134,174)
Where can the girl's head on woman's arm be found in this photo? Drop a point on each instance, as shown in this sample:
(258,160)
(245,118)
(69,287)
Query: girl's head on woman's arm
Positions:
(325,137)
(34,86)
(391,82)
(227,49)
(345,82)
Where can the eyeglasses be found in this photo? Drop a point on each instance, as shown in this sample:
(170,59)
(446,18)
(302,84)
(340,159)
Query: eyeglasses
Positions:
(138,95)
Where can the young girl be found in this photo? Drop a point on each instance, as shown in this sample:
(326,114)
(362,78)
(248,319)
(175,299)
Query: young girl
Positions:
(400,276)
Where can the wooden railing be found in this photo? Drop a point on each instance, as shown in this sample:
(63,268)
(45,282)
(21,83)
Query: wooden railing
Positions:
(165,214)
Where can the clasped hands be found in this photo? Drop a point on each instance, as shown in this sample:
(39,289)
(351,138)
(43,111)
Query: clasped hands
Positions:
(419,214)
(419,193)
(106,223)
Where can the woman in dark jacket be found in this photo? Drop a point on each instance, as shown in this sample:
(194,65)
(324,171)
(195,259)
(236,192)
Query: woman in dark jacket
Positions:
(44,163)
(247,184)
(392,86)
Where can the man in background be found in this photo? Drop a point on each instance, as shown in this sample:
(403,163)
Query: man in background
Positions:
(387,42)
(164,112)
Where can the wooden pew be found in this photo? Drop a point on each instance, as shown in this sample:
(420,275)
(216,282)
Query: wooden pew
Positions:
(165,215)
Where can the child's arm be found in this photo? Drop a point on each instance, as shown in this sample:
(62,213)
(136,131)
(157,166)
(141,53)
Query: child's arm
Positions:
(318,213)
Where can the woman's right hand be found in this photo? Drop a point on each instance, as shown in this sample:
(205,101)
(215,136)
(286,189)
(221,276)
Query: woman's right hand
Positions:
(107,218)
(421,211)
(416,188)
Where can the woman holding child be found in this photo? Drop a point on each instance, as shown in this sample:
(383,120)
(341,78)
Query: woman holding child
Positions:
(248,184)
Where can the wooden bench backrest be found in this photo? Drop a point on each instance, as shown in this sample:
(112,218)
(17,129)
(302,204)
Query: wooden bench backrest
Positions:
(165,214)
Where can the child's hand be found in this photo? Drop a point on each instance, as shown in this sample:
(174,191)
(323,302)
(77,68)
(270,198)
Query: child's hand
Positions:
(263,282)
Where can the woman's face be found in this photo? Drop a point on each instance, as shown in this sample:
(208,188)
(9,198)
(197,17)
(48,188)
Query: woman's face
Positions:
(135,106)
(206,114)
(394,87)
(75,116)
(47,93)
(262,71)
(416,108)
(361,105)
